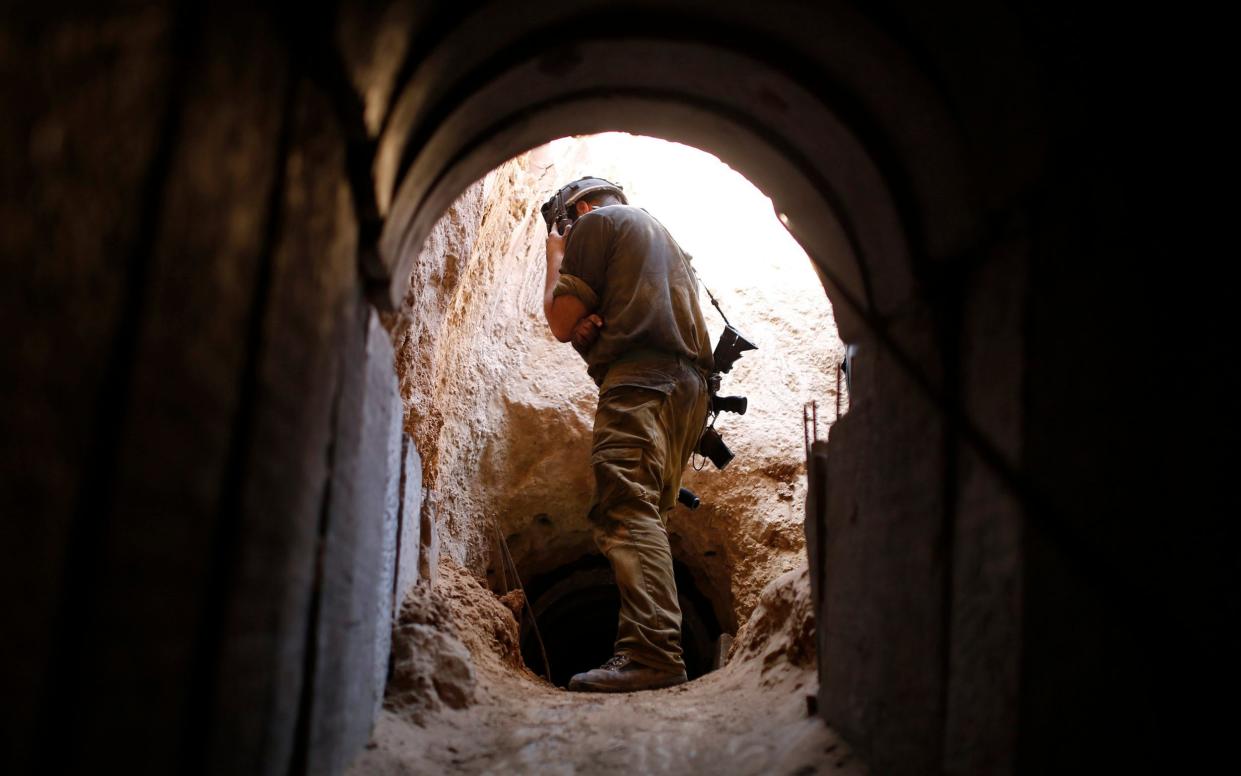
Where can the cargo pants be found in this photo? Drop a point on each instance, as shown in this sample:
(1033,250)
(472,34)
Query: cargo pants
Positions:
(651,412)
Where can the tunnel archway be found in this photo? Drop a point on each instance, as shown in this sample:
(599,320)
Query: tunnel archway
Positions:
(850,141)
(516,448)
(836,122)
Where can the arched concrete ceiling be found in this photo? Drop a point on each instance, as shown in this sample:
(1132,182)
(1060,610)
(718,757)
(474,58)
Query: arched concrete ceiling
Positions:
(855,146)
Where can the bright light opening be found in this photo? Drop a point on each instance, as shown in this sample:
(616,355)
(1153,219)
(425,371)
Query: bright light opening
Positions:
(739,243)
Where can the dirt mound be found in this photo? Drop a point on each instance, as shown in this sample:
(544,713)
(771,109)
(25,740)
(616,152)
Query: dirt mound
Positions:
(485,624)
(782,626)
(447,637)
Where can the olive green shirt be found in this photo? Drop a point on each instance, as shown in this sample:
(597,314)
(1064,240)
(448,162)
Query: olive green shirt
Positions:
(624,266)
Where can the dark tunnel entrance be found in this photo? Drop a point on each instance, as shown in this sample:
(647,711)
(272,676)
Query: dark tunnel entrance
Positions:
(577,607)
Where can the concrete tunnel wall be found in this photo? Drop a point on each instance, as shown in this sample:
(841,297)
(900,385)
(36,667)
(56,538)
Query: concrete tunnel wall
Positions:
(198,203)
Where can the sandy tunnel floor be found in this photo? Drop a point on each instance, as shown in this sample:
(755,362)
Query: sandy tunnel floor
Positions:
(460,702)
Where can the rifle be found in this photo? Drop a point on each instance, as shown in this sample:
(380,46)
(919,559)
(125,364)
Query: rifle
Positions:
(728,349)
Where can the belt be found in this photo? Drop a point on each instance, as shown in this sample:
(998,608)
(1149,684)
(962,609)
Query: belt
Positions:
(650,354)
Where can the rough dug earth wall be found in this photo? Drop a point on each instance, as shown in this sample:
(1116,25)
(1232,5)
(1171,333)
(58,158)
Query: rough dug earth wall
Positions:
(504,412)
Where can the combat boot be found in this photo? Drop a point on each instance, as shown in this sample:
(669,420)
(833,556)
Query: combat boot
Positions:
(623,674)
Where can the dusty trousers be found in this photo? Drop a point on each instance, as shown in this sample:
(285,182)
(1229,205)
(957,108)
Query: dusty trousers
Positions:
(651,412)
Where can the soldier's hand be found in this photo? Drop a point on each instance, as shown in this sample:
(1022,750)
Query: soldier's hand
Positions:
(587,331)
(555,242)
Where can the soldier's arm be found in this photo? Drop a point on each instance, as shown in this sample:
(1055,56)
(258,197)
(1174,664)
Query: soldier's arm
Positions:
(563,316)
(562,312)
(570,297)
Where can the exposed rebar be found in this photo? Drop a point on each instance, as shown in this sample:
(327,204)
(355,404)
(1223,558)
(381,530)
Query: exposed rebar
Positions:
(810,423)
(508,562)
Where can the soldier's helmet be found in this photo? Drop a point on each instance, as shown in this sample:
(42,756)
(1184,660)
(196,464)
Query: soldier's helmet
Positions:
(567,197)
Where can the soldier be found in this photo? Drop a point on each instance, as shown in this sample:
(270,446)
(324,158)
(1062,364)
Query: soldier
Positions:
(623,292)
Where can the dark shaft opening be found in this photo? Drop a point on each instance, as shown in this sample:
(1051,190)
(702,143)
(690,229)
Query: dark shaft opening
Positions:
(577,607)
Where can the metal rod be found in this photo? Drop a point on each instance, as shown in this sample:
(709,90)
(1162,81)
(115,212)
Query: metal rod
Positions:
(810,423)
(840,368)
(528,606)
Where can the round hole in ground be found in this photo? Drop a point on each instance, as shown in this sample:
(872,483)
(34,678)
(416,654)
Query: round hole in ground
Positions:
(577,606)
